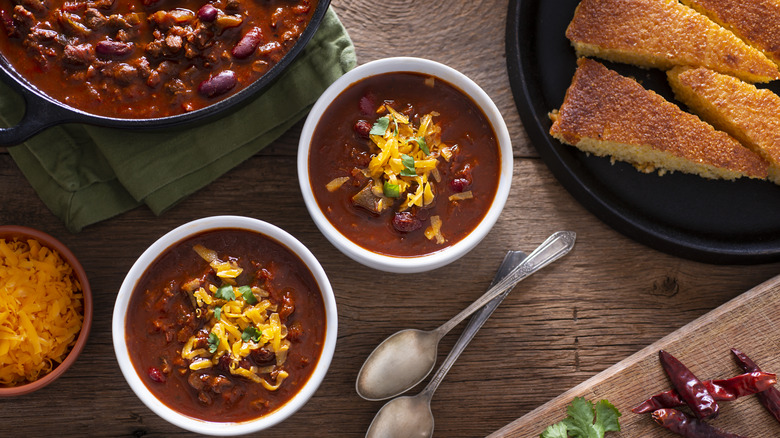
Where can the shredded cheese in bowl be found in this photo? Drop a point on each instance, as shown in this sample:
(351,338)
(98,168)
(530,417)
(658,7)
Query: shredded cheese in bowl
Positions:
(41,310)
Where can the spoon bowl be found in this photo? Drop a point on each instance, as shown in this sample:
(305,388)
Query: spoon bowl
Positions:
(401,361)
(404,417)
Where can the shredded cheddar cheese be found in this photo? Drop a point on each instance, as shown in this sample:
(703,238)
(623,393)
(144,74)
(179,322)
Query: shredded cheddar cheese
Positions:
(40,310)
(242,321)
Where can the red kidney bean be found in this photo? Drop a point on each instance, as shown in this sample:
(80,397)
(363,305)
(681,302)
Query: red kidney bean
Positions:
(248,43)
(459,185)
(218,84)
(208,13)
(405,222)
(156,375)
(362,128)
(113,49)
(367,104)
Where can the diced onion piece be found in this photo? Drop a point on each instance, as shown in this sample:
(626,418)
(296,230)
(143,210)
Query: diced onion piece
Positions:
(446,152)
(205,253)
(461,196)
(429,81)
(336,183)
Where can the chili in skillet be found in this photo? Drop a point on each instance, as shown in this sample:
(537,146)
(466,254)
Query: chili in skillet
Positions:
(147,58)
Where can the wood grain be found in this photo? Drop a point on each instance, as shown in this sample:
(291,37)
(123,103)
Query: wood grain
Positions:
(749,322)
(603,302)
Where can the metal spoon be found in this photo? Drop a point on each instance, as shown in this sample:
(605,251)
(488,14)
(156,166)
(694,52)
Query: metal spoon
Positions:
(411,416)
(404,359)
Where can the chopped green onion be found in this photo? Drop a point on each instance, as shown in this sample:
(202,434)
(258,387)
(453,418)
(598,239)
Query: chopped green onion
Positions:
(213,343)
(246,292)
(380,127)
(408,163)
(423,145)
(225,293)
(391,190)
(251,333)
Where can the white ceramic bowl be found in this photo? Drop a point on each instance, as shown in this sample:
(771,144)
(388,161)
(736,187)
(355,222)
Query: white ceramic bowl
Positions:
(151,254)
(450,253)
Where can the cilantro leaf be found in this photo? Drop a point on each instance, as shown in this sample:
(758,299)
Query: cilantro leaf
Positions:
(225,293)
(391,190)
(380,126)
(607,415)
(557,430)
(217,313)
(251,333)
(246,292)
(423,145)
(580,419)
(408,163)
(584,421)
(213,342)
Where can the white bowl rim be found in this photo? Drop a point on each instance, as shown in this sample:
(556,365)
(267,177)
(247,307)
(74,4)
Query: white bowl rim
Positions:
(178,234)
(450,253)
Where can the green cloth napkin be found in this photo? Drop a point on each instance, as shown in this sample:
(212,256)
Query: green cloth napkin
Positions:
(86,174)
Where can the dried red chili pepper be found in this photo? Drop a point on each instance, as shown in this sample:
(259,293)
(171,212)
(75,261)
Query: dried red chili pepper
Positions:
(721,390)
(690,388)
(681,424)
(770,398)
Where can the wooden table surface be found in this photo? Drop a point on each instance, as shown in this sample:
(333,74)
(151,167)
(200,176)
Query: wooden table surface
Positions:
(607,299)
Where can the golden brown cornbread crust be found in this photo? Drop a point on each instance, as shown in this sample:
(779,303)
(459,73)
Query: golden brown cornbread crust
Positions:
(749,114)
(608,114)
(662,34)
(755,21)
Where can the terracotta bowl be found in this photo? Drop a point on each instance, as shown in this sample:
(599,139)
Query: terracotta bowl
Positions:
(14,231)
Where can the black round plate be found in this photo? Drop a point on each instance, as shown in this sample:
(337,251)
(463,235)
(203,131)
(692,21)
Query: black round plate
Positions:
(712,221)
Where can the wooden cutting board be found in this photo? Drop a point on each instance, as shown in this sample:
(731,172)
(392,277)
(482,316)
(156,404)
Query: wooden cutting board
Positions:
(750,322)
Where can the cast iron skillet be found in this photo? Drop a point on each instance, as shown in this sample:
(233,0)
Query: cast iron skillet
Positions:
(42,111)
(711,221)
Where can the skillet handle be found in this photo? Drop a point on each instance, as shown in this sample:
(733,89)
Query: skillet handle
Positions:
(39,114)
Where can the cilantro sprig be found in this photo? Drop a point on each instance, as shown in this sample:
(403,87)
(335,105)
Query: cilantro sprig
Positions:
(423,145)
(213,343)
(380,126)
(225,293)
(252,333)
(585,421)
(408,163)
(246,292)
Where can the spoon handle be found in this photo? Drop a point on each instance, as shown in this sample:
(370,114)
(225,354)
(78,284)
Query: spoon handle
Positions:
(556,246)
(511,260)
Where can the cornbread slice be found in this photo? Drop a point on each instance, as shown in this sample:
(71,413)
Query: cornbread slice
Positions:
(757,22)
(749,114)
(607,114)
(662,34)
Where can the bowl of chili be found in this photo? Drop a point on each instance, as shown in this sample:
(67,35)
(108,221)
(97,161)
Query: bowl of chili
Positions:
(144,63)
(38,274)
(224,326)
(405,164)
